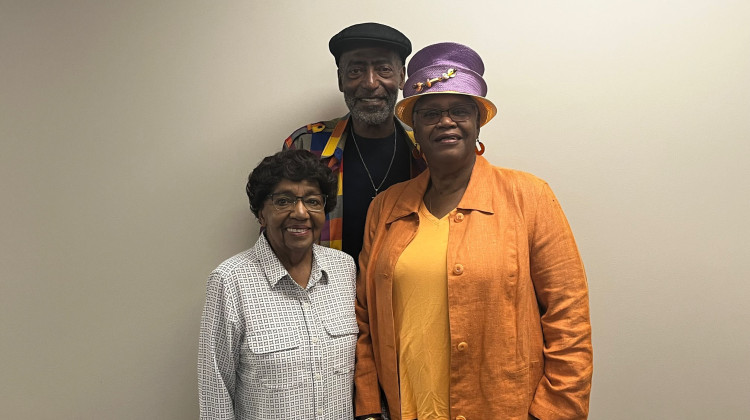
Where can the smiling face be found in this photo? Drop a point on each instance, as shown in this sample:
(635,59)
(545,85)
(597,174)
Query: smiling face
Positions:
(446,142)
(370,79)
(292,233)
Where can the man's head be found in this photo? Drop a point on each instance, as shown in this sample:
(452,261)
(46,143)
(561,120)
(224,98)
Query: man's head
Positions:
(369,35)
(370,59)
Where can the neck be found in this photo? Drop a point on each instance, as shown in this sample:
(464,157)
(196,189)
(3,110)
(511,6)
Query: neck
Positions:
(446,188)
(373,131)
(447,178)
(298,265)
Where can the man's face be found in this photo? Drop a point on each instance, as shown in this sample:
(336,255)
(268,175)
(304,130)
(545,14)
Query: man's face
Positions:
(370,79)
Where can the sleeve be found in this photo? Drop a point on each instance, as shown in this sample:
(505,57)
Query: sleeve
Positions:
(296,140)
(366,388)
(562,294)
(288,144)
(218,352)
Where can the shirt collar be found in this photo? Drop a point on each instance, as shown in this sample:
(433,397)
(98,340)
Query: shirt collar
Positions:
(335,143)
(275,271)
(475,197)
(478,193)
(319,264)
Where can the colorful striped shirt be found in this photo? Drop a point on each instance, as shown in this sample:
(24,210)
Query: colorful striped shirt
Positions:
(326,139)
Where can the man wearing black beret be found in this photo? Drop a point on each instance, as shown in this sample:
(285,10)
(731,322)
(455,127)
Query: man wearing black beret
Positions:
(371,61)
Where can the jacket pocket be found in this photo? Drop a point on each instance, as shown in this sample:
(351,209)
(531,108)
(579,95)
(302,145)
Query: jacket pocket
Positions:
(510,390)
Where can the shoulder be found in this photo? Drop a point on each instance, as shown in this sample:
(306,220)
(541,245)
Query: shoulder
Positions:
(504,178)
(494,188)
(524,190)
(395,191)
(334,260)
(237,267)
(404,191)
(298,137)
(520,178)
(398,201)
(332,256)
(231,264)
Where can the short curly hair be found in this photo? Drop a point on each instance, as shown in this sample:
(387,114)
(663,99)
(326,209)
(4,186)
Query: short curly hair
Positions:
(294,165)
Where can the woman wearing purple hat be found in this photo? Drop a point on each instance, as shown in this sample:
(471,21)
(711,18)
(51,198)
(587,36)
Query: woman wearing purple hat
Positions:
(472,300)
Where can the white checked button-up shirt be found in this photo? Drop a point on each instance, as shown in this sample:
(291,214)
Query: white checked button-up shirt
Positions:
(270,349)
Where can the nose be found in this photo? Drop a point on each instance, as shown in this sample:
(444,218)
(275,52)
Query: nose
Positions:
(300,211)
(370,80)
(445,119)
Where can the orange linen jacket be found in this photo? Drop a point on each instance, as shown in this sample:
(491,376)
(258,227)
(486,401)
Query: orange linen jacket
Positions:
(517,293)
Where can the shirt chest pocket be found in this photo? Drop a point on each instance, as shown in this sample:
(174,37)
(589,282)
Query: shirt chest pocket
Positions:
(341,343)
(275,357)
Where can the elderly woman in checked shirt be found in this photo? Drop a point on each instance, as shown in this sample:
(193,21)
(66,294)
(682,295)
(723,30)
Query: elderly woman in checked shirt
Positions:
(278,331)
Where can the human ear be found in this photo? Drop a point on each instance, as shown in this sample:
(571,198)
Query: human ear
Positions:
(261,219)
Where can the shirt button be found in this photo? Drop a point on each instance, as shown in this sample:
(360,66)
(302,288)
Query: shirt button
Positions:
(458,269)
(315,340)
(320,411)
(459,217)
(318,377)
(305,305)
(462,346)
(460,418)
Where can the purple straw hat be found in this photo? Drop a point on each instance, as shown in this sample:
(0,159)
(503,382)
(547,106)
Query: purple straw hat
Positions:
(446,67)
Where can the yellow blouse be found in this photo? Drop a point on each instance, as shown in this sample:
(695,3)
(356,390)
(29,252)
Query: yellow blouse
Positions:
(420,309)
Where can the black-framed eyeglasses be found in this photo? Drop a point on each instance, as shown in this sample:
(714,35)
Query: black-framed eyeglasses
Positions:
(286,202)
(458,113)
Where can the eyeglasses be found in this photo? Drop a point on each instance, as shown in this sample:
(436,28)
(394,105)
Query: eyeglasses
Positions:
(458,113)
(286,202)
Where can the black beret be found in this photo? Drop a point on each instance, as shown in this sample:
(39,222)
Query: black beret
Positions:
(369,34)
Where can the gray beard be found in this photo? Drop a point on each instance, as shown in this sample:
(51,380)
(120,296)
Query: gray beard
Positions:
(376,117)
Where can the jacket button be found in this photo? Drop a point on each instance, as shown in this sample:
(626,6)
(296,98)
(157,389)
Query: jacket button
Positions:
(460,418)
(458,269)
(462,346)
(459,217)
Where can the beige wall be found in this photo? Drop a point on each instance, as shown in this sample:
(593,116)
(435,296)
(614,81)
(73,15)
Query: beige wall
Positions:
(128,129)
